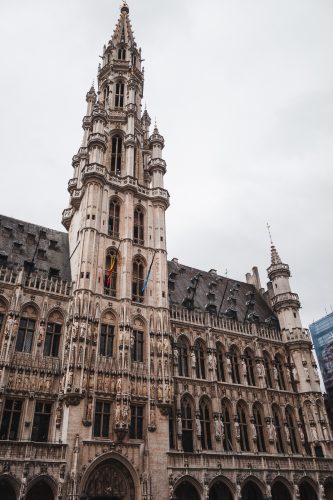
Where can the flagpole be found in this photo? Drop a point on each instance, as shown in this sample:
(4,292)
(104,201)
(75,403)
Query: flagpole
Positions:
(147,277)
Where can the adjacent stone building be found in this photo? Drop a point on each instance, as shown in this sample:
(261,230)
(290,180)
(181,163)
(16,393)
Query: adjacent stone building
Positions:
(124,376)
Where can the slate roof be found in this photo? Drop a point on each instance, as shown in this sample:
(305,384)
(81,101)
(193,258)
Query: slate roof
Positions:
(204,291)
(20,240)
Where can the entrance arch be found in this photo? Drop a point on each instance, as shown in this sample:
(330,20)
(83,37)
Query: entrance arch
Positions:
(186,491)
(41,490)
(251,491)
(328,489)
(280,491)
(109,480)
(7,491)
(220,491)
(307,491)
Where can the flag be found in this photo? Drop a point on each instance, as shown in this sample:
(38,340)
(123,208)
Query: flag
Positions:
(147,277)
(112,266)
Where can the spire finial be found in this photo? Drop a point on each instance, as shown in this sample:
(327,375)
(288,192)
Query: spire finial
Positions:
(269,232)
(124,6)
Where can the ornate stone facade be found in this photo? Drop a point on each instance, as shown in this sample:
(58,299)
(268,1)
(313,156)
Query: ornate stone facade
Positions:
(127,377)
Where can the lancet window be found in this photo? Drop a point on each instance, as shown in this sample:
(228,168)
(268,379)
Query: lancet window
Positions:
(187,425)
(268,370)
(227,426)
(220,359)
(259,426)
(137,345)
(111,272)
(119,95)
(206,438)
(116,154)
(290,421)
(278,430)
(234,362)
(137,279)
(280,374)
(200,359)
(243,427)
(183,356)
(53,335)
(26,330)
(136,427)
(114,218)
(106,340)
(102,419)
(249,363)
(138,229)
(121,54)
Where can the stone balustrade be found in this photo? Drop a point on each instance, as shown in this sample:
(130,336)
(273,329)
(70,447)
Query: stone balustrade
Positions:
(52,452)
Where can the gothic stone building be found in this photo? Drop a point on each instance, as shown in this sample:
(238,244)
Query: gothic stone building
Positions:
(186,386)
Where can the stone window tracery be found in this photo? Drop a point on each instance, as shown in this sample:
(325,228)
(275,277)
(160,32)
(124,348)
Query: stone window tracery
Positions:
(102,419)
(114,219)
(280,447)
(116,154)
(26,330)
(137,345)
(280,375)
(138,279)
(234,362)
(119,95)
(106,340)
(53,334)
(200,359)
(227,425)
(205,420)
(243,427)
(138,228)
(220,359)
(121,54)
(187,425)
(290,422)
(259,426)
(249,363)
(183,357)
(268,370)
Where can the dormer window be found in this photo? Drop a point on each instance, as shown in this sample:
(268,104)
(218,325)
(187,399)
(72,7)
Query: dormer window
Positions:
(119,96)
(121,54)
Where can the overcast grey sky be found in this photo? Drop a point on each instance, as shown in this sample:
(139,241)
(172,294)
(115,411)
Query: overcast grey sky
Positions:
(243,94)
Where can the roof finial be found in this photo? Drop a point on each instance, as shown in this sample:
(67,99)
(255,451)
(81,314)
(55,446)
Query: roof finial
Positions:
(124,6)
(269,232)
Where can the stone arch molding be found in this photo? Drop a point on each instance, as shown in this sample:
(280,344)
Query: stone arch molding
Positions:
(116,474)
(50,481)
(186,478)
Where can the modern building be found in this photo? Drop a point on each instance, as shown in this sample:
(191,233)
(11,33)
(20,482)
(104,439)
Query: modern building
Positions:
(126,376)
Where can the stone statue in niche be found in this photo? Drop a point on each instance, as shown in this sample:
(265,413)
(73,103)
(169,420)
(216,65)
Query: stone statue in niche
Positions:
(198,425)
(159,346)
(193,360)
(179,425)
(166,345)
(41,334)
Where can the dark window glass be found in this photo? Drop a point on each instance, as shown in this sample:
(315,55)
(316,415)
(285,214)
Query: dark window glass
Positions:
(116,154)
(220,364)
(233,356)
(10,419)
(268,371)
(187,423)
(258,423)
(183,353)
(278,429)
(119,96)
(111,272)
(114,214)
(102,419)
(136,427)
(106,340)
(52,339)
(206,439)
(138,280)
(199,360)
(25,335)
(121,54)
(171,432)
(248,358)
(279,368)
(40,427)
(292,431)
(243,428)
(137,346)
(227,437)
(138,234)
(2,321)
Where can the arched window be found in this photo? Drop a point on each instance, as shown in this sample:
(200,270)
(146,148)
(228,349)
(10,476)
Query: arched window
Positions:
(121,54)
(278,430)
(268,370)
(234,361)
(259,425)
(26,330)
(227,425)
(206,438)
(107,335)
(114,213)
(53,334)
(137,341)
(116,154)
(119,95)
(249,362)
(2,315)
(243,427)
(280,375)
(290,422)
(187,425)
(220,358)
(200,356)
(183,353)
(137,279)
(111,271)
(138,234)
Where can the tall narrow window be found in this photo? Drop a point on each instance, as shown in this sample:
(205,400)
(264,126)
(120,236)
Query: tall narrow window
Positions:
(248,358)
(278,430)
(187,425)
(226,420)
(183,352)
(138,234)
(220,363)
(25,335)
(114,217)
(121,54)
(137,280)
(258,423)
(243,428)
(52,339)
(268,370)
(280,375)
(11,419)
(41,423)
(137,346)
(119,95)
(106,340)
(206,439)
(199,351)
(110,276)
(2,320)
(102,419)
(116,154)
(136,427)
(290,421)
(233,356)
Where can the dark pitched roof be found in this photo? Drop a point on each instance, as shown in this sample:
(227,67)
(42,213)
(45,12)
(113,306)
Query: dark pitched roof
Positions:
(204,291)
(20,241)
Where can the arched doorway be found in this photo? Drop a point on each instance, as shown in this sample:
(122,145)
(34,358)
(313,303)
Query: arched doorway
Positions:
(307,491)
(186,491)
(40,491)
(251,491)
(220,491)
(328,490)
(280,491)
(110,480)
(7,491)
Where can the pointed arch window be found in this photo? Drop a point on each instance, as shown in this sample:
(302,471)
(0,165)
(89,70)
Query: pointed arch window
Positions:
(187,425)
(2,320)
(243,428)
(234,362)
(278,430)
(206,438)
(220,359)
(268,370)
(116,154)
(137,280)
(259,425)
(106,340)
(111,272)
(137,346)
(183,354)
(290,421)
(226,420)
(121,54)
(52,338)
(114,219)
(280,375)
(249,363)
(26,330)
(138,230)
(119,95)
(200,355)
